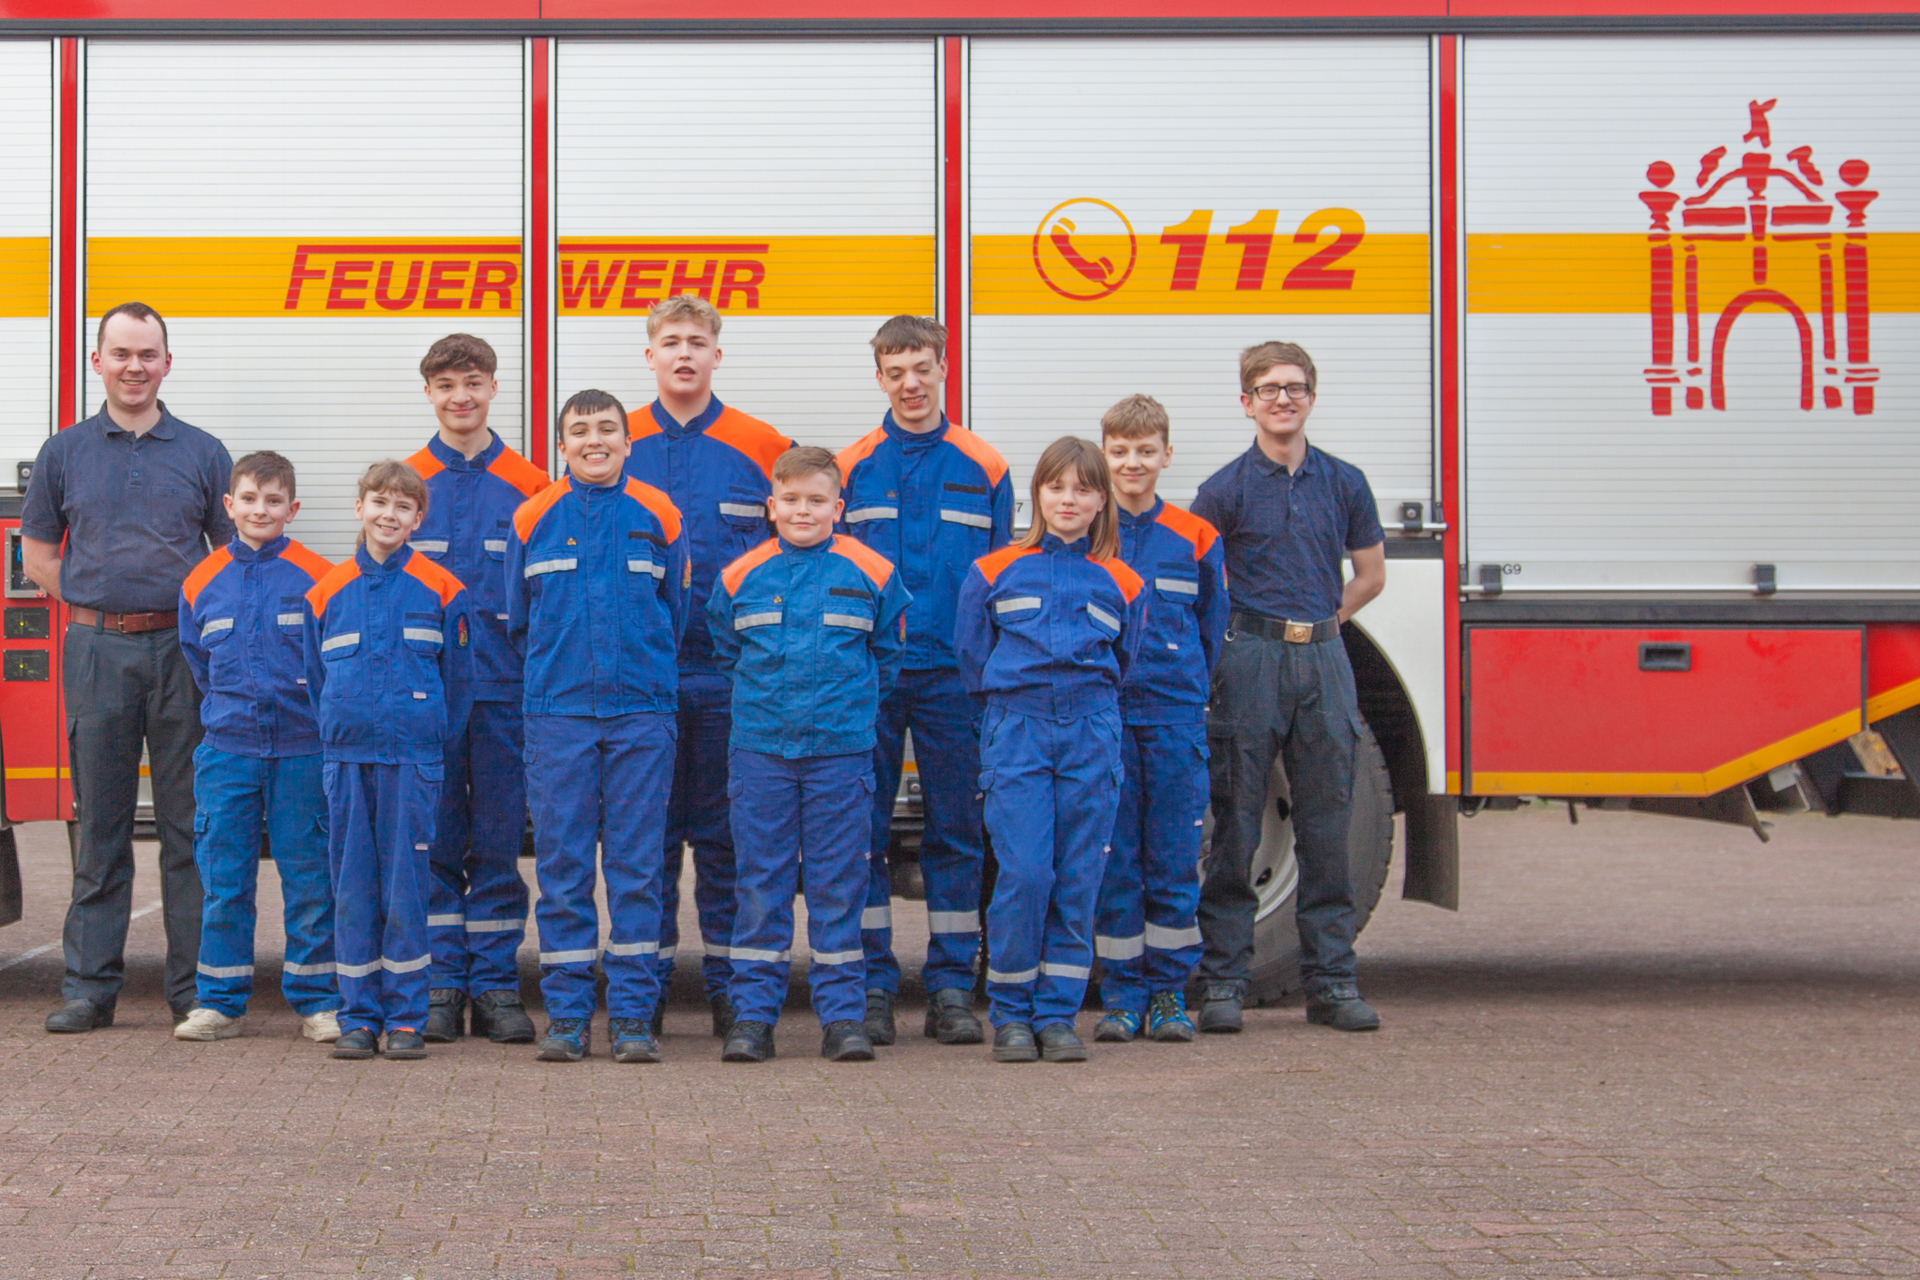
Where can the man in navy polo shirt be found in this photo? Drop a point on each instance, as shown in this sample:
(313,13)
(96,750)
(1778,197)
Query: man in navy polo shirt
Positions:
(1286,512)
(135,493)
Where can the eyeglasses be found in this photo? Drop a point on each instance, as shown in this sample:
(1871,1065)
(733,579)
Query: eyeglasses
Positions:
(1268,392)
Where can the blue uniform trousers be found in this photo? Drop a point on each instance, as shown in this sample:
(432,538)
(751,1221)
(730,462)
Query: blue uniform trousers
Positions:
(1144,930)
(697,815)
(800,823)
(379,828)
(1051,792)
(235,798)
(478,913)
(597,787)
(936,706)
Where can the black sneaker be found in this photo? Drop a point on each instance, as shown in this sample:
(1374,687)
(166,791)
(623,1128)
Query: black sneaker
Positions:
(1013,1042)
(950,1017)
(502,1018)
(1220,1009)
(722,1016)
(568,1040)
(632,1040)
(1059,1043)
(80,1015)
(748,1041)
(879,1020)
(845,1041)
(1341,1008)
(446,1015)
(357,1044)
(406,1045)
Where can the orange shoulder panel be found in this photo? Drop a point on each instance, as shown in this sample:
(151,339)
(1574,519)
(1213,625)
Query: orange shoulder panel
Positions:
(203,573)
(1125,578)
(519,473)
(437,580)
(760,442)
(658,503)
(528,513)
(332,584)
(641,423)
(426,464)
(991,564)
(736,573)
(979,450)
(315,567)
(876,566)
(858,452)
(1189,526)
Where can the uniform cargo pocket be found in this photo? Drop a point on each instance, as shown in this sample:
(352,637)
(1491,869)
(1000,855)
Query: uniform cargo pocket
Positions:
(422,632)
(215,631)
(339,646)
(1176,590)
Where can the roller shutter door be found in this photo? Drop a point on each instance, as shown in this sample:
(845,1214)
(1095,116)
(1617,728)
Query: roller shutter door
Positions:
(1692,306)
(791,184)
(26,221)
(310,216)
(1144,209)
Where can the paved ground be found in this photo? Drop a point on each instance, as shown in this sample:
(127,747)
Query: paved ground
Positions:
(1644,1047)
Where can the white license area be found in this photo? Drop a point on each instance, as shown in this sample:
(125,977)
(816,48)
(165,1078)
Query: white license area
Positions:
(26,221)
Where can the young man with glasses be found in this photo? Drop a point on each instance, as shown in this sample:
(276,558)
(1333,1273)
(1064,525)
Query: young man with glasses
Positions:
(1286,512)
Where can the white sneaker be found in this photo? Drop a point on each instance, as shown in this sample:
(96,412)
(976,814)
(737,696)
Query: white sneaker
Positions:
(208,1024)
(322,1027)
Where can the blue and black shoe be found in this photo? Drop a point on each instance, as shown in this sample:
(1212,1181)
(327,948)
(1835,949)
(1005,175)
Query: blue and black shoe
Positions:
(632,1040)
(1167,1017)
(1117,1026)
(567,1041)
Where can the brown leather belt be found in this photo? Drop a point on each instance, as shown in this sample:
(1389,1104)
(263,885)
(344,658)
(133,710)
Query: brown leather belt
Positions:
(125,623)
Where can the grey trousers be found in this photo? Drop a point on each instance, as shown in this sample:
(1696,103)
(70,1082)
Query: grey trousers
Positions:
(123,691)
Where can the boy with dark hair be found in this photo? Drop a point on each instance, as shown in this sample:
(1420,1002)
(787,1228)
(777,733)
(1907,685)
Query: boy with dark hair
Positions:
(808,627)
(931,497)
(258,768)
(478,915)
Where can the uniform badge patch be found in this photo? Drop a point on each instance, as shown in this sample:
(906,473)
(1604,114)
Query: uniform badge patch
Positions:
(686,576)
(460,631)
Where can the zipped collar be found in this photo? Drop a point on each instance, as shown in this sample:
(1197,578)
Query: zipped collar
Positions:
(453,460)
(239,550)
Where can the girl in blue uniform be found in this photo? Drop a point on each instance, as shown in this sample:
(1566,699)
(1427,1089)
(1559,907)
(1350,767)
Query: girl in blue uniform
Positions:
(1045,631)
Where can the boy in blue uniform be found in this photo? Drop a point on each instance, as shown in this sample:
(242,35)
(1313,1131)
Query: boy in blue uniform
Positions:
(597,569)
(716,465)
(1144,929)
(478,914)
(931,497)
(808,627)
(389,658)
(258,768)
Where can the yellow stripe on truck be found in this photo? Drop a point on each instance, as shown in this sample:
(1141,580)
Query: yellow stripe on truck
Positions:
(744,275)
(23,276)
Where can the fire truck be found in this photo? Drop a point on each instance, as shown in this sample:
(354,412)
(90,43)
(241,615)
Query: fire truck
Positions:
(1618,309)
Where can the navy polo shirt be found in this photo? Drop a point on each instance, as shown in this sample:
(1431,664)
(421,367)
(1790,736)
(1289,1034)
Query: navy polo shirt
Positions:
(1284,534)
(141,510)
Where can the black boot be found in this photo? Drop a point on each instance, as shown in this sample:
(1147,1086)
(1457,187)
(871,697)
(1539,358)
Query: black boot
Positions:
(1013,1042)
(501,1018)
(446,1014)
(1341,1008)
(722,1016)
(748,1041)
(1220,1011)
(950,1018)
(845,1041)
(79,1015)
(879,1021)
(1060,1043)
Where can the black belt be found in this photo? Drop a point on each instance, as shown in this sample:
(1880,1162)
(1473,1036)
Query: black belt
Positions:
(1254,624)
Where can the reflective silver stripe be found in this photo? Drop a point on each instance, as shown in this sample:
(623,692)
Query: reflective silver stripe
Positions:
(568,957)
(877,918)
(446,921)
(496,926)
(340,641)
(853,620)
(718,951)
(668,953)
(310,970)
(972,518)
(741,509)
(288,619)
(633,948)
(1102,615)
(755,953)
(1053,970)
(1163,939)
(405,966)
(1119,948)
(873,513)
(423,633)
(226,970)
(539,567)
(1179,586)
(647,566)
(357,970)
(494,544)
(746,620)
(953,921)
(837,957)
(1024,975)
(432,546)
(1016,602)
(217,624)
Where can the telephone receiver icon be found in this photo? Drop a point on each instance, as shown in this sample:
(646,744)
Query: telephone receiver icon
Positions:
(1099,271)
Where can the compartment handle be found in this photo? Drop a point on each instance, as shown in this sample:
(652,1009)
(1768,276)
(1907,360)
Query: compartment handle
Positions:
(1666,655)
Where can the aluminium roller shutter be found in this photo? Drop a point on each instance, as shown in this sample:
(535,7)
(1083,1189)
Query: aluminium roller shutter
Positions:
(310,216)
(1658,398)
(26,222)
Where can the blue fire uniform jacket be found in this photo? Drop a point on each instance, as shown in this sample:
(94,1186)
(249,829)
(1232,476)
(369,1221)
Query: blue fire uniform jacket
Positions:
(1049,631)
(241,614)
(811,638)
(470,506)
(389,658)
(1183,564)
(718,472)
(599,578)
(932,504)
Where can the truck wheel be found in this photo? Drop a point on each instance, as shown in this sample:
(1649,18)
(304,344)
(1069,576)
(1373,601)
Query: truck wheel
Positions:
(1276,939)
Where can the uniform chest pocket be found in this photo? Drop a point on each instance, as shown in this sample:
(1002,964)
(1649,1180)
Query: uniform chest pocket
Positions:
(434,548)
(1177,585)
(749,614)
(215,632)
(1104,620)
(646,555)
(849,607)
(966,506)
(1016,608)
(339,646)
(743,510)
(495,543)
(868,507)
(423,633)
(550,561)
(289,618)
